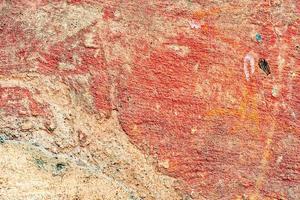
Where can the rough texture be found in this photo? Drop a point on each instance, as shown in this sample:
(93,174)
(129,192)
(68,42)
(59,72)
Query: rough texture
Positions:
(177,99)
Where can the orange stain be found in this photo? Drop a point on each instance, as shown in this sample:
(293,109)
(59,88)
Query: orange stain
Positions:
(212,12)
(200,14)
(135,130)
(247,112)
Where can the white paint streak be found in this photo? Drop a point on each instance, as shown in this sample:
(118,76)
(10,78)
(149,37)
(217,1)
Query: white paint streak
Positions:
(248,60)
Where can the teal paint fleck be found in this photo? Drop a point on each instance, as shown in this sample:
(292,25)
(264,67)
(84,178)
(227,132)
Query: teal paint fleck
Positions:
(258,37)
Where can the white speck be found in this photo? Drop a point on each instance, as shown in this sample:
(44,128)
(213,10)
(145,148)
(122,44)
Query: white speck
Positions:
(194,25)
(117,14)
(279,159)
(193,130)
(175,112)
(293,114)
(89,41)
(196,67)
(293,74)
(275,91)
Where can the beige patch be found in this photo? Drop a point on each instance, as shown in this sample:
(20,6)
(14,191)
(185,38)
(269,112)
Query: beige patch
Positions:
(56,22)
(275,91)
(193,130)
(165,164)
(180,50)
(89,40)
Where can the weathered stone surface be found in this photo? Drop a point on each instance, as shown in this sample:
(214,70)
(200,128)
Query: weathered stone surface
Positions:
(150,99)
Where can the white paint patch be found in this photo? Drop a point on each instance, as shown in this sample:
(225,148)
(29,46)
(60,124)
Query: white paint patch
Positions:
(249,60)
(293,114)
(117,14)
(89,41)
(180,50)
(275,91)
(175,112)
(279,159)
(194,25)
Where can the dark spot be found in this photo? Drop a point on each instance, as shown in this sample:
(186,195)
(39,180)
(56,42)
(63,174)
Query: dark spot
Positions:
(60,166)
(2,139)
(245,197)
(59,169)
(264,65)
(35,144)
(50,129)
(76,197)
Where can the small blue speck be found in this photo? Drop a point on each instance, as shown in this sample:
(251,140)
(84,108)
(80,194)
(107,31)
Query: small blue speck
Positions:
(258,37)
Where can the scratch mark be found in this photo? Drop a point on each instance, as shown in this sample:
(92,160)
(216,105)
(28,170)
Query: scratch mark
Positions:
(247,112)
